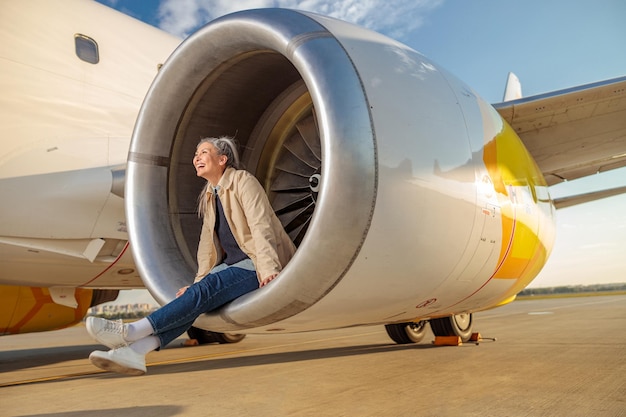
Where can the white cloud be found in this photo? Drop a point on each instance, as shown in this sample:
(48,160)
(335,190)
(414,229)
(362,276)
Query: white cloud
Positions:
(395,18)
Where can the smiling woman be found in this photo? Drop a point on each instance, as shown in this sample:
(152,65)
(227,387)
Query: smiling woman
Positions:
(209,162)
(243,246)
(212,157)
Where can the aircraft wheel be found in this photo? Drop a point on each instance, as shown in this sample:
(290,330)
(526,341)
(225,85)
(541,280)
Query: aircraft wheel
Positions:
(403,333)
(205,336)
(458,325)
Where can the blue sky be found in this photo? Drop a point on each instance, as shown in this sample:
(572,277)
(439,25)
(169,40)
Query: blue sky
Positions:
(549,44)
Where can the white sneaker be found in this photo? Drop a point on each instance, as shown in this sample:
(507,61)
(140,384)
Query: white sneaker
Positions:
(122,360)
(108,332)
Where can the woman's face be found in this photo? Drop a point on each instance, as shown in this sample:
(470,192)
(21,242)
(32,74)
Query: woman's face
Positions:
(209,165)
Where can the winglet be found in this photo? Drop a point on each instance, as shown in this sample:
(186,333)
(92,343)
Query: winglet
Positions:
(513,89)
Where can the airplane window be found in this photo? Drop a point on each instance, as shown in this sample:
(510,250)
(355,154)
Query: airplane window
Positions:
(86,48)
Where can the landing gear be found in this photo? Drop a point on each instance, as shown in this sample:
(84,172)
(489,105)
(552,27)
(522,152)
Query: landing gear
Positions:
(459,325)
(403,333)
(205,336)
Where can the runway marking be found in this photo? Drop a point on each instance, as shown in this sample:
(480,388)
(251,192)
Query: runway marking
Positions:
(495,313)
(181,360)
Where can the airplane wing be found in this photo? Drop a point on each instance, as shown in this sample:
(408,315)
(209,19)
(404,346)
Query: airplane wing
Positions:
(573,133)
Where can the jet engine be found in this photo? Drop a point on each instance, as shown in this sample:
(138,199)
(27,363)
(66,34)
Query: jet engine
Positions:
(407,195)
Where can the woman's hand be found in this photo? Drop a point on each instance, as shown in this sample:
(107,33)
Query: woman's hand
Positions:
(267,280)
(181,291)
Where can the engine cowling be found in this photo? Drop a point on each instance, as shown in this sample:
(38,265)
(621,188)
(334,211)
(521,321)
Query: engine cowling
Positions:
(35,309)
(384,169)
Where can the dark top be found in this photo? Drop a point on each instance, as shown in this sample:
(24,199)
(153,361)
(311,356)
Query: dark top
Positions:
(232,251)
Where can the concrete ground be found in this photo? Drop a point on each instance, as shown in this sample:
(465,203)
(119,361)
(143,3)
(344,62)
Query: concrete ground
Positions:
(555,357)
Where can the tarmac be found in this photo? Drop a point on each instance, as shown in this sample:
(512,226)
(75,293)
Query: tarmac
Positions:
(547,357)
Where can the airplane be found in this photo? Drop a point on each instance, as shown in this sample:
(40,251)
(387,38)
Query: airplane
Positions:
(411,200)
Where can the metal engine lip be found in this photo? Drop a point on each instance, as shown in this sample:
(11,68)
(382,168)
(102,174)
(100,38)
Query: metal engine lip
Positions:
(349,168)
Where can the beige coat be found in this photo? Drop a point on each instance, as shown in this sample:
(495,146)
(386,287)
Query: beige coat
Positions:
(257,230)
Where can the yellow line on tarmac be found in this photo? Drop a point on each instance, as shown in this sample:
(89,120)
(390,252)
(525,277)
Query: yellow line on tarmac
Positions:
(49,378)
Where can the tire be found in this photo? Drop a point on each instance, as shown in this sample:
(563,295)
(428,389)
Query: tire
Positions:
(205,336)
(458,325)
(404,333)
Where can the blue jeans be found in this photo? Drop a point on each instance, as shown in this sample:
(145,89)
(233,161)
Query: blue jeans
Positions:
(213,291)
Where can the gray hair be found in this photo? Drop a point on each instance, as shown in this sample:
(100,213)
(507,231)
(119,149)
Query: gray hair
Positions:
(225,145)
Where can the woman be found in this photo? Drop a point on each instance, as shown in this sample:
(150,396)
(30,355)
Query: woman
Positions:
(243,246)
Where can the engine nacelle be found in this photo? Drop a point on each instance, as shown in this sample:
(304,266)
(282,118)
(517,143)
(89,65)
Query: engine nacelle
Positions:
(408,196)
(35,309)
